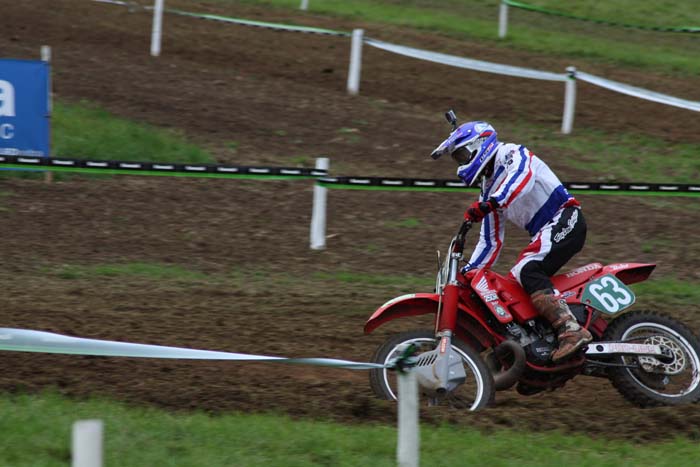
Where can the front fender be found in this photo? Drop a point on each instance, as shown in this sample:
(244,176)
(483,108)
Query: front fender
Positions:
(406,305)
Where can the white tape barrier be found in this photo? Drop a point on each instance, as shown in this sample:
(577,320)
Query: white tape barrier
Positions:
(25,340)
(87,439)
(638,92)
(113,2)
(467,63)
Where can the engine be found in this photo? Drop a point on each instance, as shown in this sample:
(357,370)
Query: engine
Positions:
(538,340)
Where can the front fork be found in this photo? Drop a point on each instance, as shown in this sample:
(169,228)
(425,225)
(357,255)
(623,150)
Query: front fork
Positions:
(446,323)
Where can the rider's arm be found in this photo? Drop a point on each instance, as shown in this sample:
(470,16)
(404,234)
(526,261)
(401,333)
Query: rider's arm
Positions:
(519,179)
(490,242)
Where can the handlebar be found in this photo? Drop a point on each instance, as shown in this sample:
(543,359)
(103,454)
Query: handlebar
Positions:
(461,234)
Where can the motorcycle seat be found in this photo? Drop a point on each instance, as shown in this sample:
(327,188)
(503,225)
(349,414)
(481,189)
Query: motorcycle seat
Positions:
(578,276)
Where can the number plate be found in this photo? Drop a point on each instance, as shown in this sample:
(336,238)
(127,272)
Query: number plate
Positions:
(608,294)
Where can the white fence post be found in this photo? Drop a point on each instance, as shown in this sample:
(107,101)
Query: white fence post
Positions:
(567,122)
(304,5)
(503,20)
(157,27)
(46,57)
(87,443)
(355,62)
(408,446)
(318,212)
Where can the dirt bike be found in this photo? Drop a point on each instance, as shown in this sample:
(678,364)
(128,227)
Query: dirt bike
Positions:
(488,337)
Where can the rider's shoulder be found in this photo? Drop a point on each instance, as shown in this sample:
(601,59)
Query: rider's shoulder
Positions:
(507,152)
(505,148)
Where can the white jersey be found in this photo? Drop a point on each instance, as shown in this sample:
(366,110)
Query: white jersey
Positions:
(528,194)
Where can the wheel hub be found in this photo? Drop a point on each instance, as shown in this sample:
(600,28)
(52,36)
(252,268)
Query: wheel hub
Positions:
(653,365)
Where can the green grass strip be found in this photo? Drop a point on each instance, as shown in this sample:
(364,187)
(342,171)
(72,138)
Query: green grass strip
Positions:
(153,271)
(36,432)
(538,9)
(87,131)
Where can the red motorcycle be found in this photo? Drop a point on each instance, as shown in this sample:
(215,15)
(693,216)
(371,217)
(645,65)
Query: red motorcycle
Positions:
(488,337)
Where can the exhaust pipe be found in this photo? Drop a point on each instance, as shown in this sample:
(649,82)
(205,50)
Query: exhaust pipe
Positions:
(506,379)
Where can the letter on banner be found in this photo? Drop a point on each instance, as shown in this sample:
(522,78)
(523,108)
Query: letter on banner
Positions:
(7,99)
(7,131)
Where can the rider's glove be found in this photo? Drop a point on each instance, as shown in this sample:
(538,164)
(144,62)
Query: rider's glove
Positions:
(479,209)
(466,268)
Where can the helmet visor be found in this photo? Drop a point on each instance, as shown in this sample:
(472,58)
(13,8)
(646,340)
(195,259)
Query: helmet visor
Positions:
(462,156)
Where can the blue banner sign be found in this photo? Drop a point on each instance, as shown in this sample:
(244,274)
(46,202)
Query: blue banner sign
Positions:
(24,108)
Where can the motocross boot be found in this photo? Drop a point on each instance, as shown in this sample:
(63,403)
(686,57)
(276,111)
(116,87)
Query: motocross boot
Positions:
(570,334)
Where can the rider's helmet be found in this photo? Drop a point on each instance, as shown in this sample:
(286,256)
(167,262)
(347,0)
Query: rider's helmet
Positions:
(472,145)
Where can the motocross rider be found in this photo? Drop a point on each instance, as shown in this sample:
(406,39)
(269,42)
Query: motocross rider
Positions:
(518,186)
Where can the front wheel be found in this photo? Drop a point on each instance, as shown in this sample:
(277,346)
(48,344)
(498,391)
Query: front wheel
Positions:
(475,393)
(647,381)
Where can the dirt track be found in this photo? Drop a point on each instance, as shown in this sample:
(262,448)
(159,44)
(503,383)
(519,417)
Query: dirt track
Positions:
(221,83)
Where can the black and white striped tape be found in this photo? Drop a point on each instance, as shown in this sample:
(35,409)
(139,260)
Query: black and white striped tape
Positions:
(375,183)
(358,182)
(79,165)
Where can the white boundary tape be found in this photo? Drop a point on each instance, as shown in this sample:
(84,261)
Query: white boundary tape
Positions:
(471,64)
(467,63)
(87,435)
(26,340)
(638,92)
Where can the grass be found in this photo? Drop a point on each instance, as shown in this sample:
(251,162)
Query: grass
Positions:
(621,157)
(668,290)
(406,281)
(139,269)
(657,13)
(240,277)
(408,223)
(36,432)
(85,131)
(665,52)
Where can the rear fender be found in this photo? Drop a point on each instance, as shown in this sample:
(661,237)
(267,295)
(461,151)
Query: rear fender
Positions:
(629,273)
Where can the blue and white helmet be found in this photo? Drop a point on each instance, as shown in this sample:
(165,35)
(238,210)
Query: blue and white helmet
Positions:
(472,145)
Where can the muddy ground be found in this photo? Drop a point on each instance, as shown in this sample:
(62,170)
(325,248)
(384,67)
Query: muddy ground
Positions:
(258,288)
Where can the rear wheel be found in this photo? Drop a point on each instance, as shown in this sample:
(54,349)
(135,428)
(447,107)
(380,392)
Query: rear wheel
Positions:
(475,393)
(653,382)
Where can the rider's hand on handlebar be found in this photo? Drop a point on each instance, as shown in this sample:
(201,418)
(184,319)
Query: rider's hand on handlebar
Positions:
(478,210)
